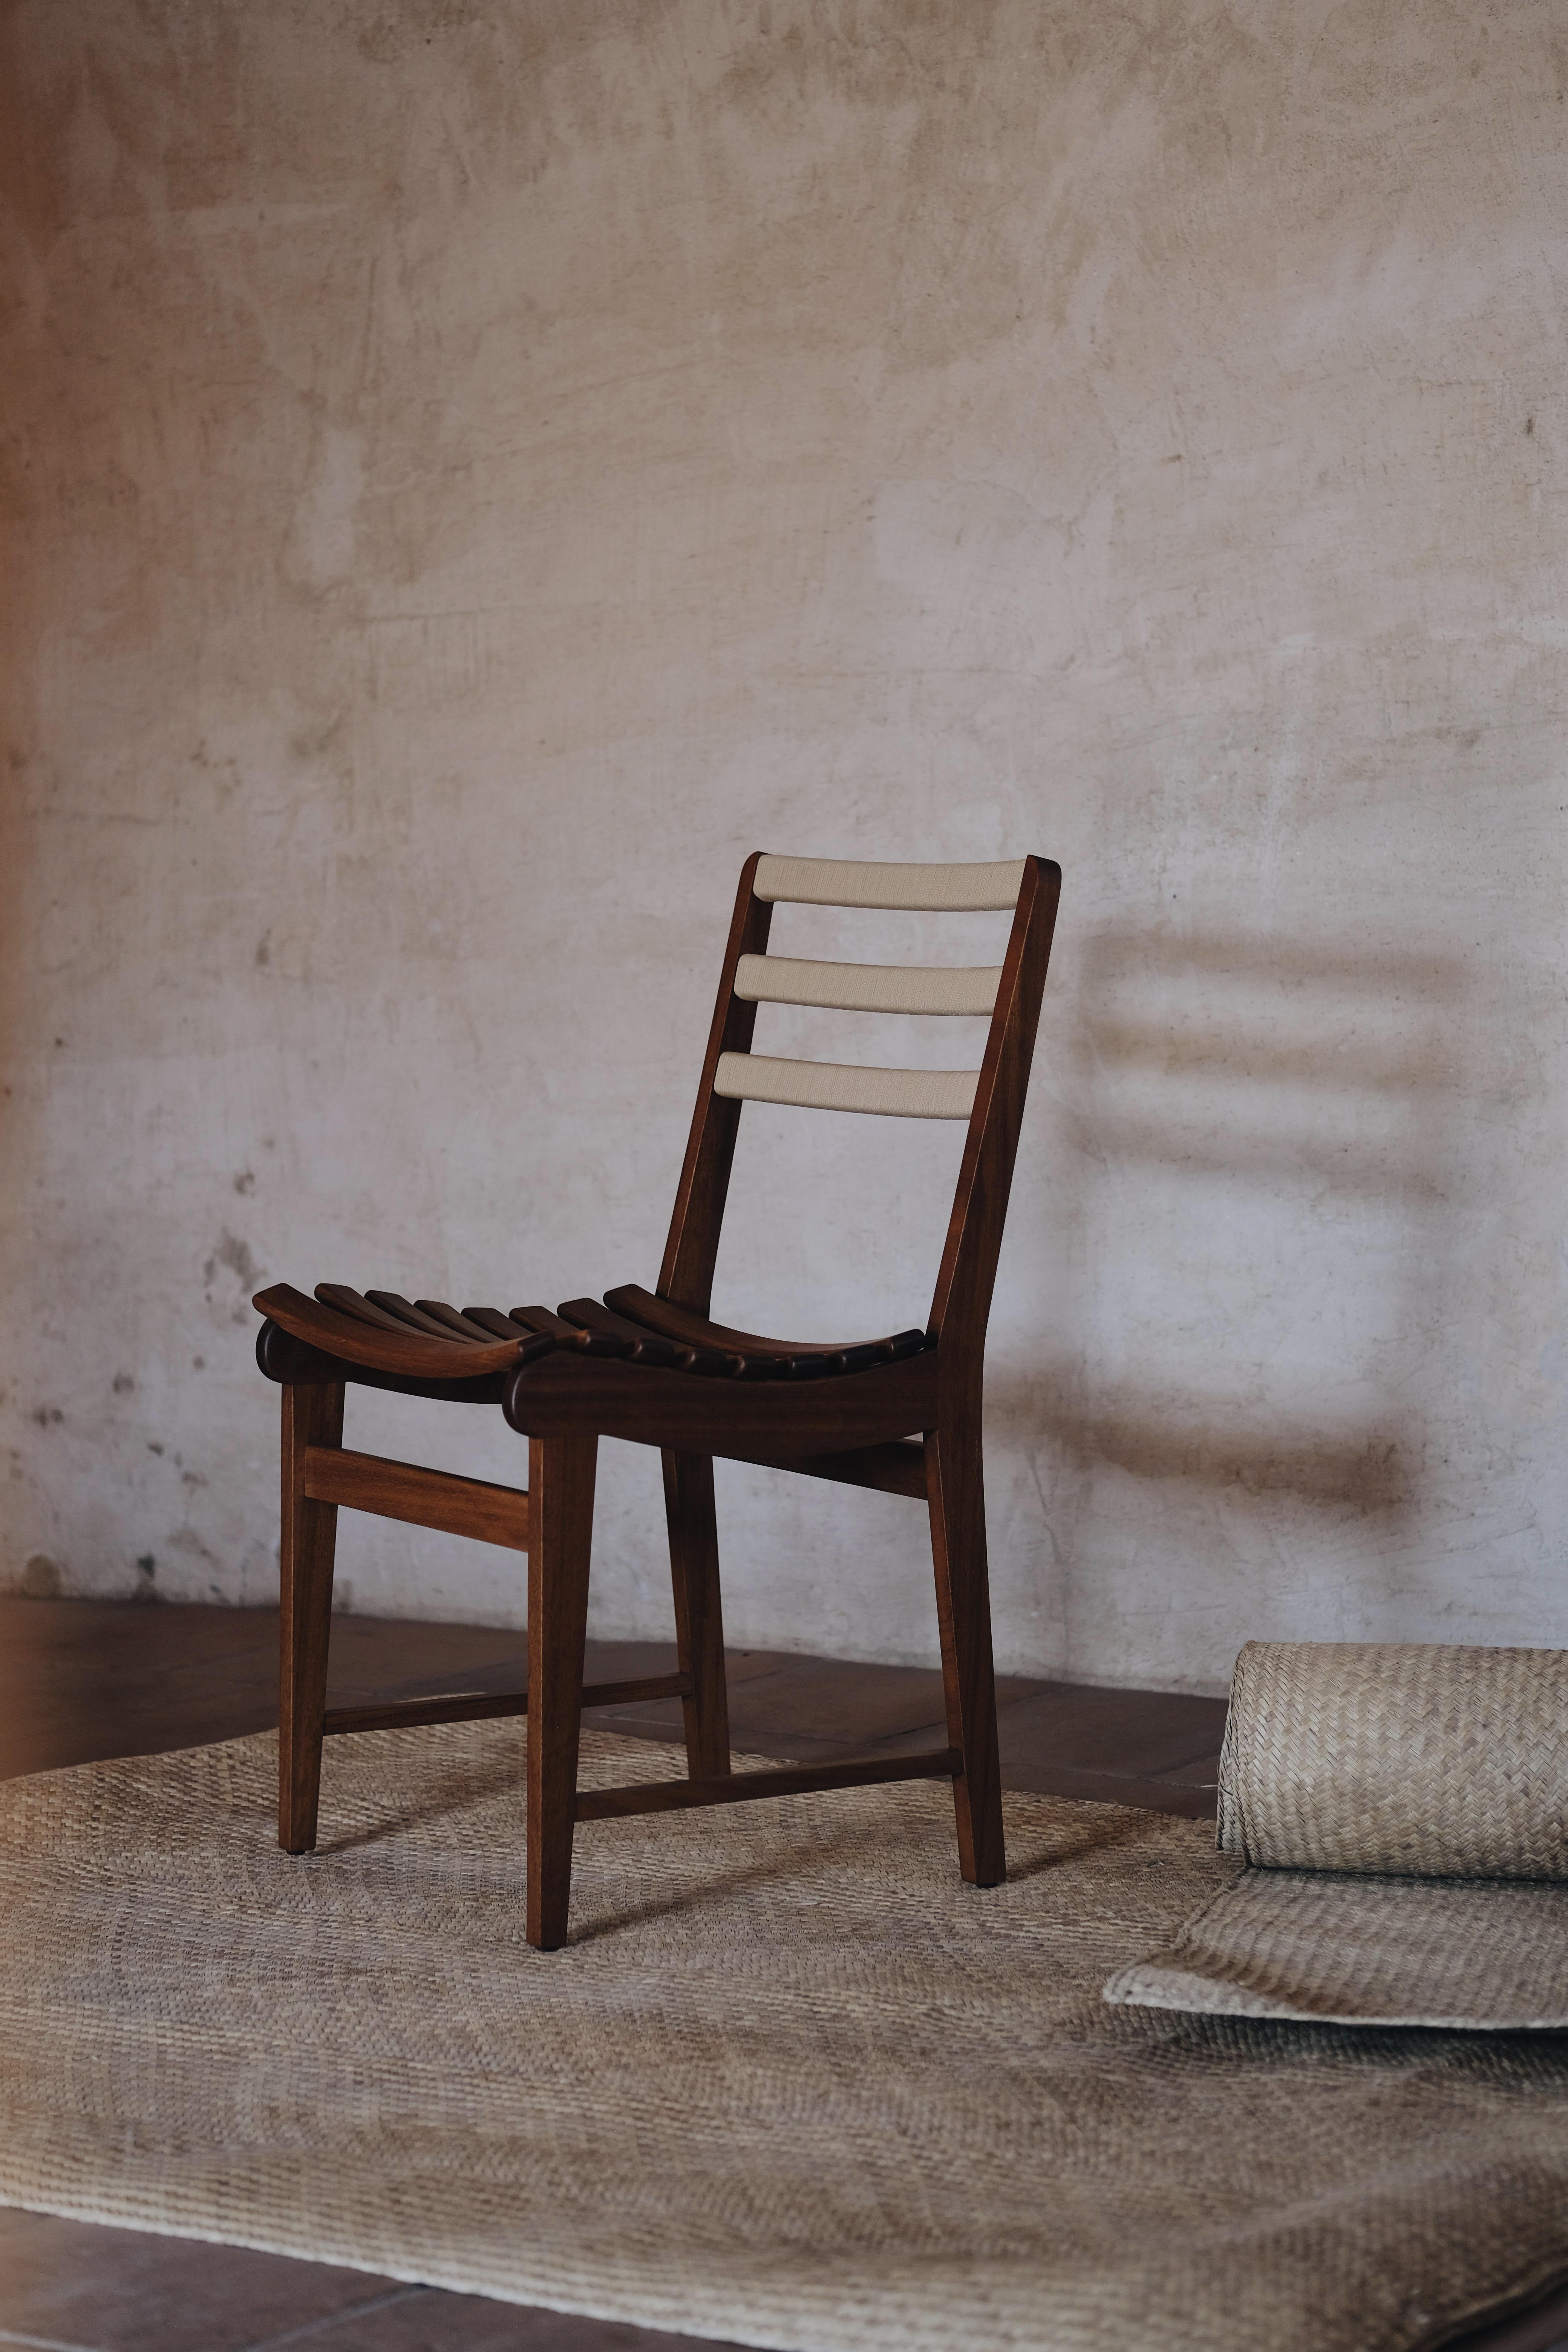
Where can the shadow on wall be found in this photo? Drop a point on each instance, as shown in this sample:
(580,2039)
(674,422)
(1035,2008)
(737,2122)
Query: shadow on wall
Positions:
(1261,1135)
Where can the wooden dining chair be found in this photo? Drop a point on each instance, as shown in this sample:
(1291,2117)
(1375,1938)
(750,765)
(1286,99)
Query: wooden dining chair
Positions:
(901,1414)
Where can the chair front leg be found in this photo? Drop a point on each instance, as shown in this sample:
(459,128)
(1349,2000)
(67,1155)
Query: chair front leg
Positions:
(560,1531)
(956,1489)
(312,1416)
(698,1611)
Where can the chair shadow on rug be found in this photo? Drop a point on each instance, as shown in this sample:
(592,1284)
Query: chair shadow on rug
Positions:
(1086,1832)
(901,1414)
(442,1801)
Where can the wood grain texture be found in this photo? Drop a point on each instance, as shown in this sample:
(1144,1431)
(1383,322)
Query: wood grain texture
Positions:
(692,1248)
(636,1307)
(698,1611)
(561,1484)
(282,1358)
(424,1354)
(425,1498)
(403,1310)
(564,1332)
(354,1303)
(491,1321)
(478,1706)
(459,1323)
(789,1780)
(312,1418)
(967,1273)
(565,1393)
(643,1344)
(955,1484)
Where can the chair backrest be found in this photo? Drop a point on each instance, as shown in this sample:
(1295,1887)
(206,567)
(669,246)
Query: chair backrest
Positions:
(991,1098)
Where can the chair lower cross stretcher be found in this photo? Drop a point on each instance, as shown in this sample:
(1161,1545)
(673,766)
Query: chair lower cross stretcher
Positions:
(900,1414)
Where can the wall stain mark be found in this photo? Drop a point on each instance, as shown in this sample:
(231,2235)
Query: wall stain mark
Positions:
(235,1254)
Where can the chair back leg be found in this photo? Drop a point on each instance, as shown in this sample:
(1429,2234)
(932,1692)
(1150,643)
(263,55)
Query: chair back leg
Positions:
(561,1487)
(312,1415)
(698,1612)
(956,1489)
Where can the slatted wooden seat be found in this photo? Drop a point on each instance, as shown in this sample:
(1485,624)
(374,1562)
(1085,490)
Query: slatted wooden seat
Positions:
(901,1414)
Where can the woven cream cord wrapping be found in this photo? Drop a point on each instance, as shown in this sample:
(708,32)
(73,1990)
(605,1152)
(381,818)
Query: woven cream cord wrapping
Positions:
(1404,1812)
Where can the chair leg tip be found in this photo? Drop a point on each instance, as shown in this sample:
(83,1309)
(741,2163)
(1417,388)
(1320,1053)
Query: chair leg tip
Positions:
(544,1931)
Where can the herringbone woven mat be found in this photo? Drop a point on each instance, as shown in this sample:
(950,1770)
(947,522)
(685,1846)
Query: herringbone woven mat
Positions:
(1405,1810)
(1413,1758)
(791,2083)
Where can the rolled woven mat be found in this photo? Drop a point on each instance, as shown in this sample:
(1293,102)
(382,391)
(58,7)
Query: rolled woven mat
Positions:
(1403,1813)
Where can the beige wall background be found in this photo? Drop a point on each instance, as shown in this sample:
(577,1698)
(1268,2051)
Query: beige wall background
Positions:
(473,473)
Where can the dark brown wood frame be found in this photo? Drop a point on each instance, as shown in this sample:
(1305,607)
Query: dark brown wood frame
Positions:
(852,1425)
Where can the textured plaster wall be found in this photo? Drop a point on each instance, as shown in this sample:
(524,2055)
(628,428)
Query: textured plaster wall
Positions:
(473,472)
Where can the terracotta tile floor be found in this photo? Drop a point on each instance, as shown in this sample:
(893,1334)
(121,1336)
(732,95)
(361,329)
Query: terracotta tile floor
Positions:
(85,1679)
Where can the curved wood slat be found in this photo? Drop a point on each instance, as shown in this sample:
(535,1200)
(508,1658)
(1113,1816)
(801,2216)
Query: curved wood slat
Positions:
(336,1333)
(293,1363)
(968,989)
(567,1334)
(645,1346)
(803,1367)
(846,1085)
(492,1319)
(350,1302)
(393,1302)
(780,1368)
(859,882)
(535,1319)
(459,1325)
(767,1362)
(650,1347)
(641,1306)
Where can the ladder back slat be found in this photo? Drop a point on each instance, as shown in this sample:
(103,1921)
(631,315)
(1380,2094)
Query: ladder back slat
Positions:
(839,1085)
(869,987)
(924,889)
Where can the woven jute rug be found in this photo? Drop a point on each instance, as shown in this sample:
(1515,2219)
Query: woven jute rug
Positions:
(790,2083)
(1403,1807)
